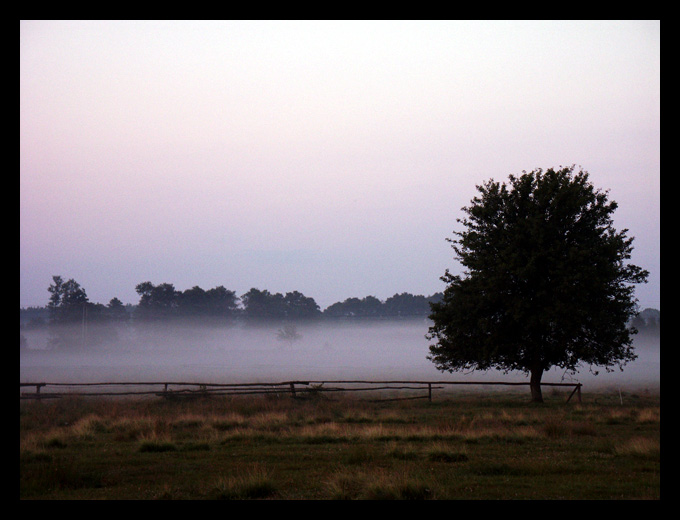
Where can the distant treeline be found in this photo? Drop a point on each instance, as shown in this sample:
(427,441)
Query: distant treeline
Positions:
(69,304)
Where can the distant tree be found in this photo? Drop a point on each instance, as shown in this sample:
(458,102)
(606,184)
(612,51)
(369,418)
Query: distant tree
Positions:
(33,318)
(406,304)
(68,301)
(117,311)
(263,306)
(349,307)
(435,298)
(222,302)
(647,322)
(300,307)
(192,302)
(157,301)
(370,306)
(288,333)
(74,320)
(546,281)
(214,303)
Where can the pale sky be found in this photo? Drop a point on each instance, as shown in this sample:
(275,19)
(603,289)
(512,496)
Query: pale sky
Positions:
(326,157)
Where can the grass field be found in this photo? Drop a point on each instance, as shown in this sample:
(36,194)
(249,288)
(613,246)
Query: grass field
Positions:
(460,446)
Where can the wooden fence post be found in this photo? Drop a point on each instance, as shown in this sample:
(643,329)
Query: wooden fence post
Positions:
(292,389)
(577,391)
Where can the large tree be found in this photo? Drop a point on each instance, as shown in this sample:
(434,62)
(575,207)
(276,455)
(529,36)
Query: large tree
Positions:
(546,280)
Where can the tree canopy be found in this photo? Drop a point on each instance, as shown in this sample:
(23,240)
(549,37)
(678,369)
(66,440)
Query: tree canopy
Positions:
(262,305)
(163,301)
(74,321)
(546,281)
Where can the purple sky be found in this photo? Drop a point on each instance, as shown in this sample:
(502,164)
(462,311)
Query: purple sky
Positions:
(330,158)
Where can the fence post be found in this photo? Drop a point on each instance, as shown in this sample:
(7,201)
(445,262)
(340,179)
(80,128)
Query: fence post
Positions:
(292,389)
(577,391)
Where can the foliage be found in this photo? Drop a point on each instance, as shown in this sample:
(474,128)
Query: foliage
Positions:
(67,301)
(369,306)
(546,281)
(156,301)
(163,301)
(74,321)
(265,306)
(399,305)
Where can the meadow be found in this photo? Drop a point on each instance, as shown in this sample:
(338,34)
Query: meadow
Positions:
(472,445)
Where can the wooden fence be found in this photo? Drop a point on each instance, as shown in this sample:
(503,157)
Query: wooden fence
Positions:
(178,390)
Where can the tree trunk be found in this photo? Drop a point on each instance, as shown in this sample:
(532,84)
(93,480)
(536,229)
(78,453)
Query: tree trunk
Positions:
(535,385)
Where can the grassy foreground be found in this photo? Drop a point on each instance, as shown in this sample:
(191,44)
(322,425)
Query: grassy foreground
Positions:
(460,446)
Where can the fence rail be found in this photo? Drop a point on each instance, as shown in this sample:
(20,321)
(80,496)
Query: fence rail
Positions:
(178,390)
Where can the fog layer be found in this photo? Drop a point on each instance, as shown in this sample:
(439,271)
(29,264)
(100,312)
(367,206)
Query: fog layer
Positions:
(341,350)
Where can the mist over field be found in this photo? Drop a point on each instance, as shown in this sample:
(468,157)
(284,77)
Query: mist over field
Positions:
(339,350)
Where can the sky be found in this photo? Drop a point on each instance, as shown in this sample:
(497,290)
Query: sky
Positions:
(327,157)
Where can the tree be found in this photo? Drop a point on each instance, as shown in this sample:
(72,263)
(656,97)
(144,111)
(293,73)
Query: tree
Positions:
(369,306)
(157,301)
(117,311)
(300,307)
(68,309)
(192,302)
(546,281)
(74,320)
(406,304)
(265,306)
(288,333)
(67,301)
(222,302)
(262,305)
(217,303)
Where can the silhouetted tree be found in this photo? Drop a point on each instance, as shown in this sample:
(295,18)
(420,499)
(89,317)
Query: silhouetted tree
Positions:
(647,322)
(67,301)
(156,301)
(213,303)
(192,302)
(546,281)
(346,308)
(367,307)
(117,311)
(406,304)
(264,306)
(74,320)
(222,302)
(300,307)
